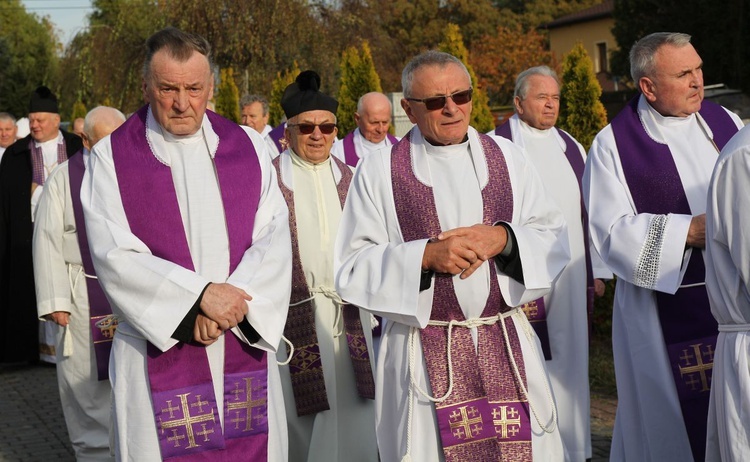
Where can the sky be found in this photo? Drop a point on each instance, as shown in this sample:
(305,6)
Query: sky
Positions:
(69,16)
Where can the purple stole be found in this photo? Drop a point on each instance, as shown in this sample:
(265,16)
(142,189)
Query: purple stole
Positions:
(485,418)
(102,323)
(276,134)
(182,394)
(350,151)
(306,366)
(535,310)
(688,327)
(37,160)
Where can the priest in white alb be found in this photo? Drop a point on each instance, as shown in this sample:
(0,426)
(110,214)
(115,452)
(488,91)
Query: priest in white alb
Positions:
(442,234)
(373,119)
(561,318)
(728,285)
(645,188)
(190,238)
(328,385)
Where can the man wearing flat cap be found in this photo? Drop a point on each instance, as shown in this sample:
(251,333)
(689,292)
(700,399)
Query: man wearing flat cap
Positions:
(25,166)
(328,385)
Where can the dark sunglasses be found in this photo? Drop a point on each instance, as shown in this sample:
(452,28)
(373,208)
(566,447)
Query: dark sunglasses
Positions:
(307,129)
(435,103)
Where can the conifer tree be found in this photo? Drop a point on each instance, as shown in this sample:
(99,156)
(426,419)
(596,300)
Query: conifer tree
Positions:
(282,80)
(582,114)
(358,76)
(79,110)
(228,96)
(481,117)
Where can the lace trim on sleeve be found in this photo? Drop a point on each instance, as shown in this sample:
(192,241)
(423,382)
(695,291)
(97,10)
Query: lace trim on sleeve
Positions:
(647,268)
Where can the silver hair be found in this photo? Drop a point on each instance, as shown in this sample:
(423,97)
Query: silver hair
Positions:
(247,100)
(92,117)
(643,52)
(428,58)
(7,116)
(522,81)
(178,44)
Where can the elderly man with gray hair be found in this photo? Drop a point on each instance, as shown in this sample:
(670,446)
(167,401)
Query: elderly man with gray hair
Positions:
(645,187)
(8,131)
(69,295)
(254,113)
(560,318)
(443,234)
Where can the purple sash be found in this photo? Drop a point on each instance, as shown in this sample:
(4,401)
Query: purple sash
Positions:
(688,327)
(183,399)
(306,366)
(573,154)
(350,151)
(276,134)
(102,323)
(485,418)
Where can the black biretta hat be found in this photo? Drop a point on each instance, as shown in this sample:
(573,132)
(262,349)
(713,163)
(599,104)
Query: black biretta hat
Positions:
(43,100)
(304,95)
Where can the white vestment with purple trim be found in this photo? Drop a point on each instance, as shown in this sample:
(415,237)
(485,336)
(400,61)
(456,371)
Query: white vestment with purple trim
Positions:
(378,271)
(647,253)
(728,285)
(567,320)
(151,296)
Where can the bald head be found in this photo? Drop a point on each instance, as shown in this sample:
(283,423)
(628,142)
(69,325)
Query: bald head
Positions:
(100,122)
(373,116)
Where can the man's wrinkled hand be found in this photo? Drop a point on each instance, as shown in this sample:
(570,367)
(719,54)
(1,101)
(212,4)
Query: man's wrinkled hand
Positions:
(599,288)
(697,232)
(206,331)
(225,304)
(483,240)
(61,318)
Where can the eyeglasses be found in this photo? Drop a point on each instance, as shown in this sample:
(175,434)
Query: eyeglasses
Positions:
(435,103)
(307,129)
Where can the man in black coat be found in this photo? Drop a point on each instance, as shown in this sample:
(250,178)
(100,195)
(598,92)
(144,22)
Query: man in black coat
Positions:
(24,167)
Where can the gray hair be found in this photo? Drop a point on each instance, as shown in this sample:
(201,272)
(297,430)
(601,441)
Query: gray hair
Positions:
(428,58)
(100,112)
(522,81)
(178,44)
(361,100)
(247,100)
(643,51)
(7,116)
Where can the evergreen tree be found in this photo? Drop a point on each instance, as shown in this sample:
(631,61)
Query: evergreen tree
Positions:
(282,80)
(79,110)
(481,117)
(581,113)
(228,96)
(358,77)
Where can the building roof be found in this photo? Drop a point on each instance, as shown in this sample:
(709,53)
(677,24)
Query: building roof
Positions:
(602,10)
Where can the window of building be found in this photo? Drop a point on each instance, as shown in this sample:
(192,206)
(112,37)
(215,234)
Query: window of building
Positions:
(601,54)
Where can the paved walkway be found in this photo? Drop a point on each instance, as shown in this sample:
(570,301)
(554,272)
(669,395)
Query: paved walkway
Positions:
(32,428)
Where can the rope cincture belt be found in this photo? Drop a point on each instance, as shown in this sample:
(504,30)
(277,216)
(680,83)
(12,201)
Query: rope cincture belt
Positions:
(469,324)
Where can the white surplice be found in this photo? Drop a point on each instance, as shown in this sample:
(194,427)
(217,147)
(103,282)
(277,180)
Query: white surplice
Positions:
(648,424)
(567,319)
(152,296)
(377,270)
(61,286)
(346,431)
(728,285)
(362,146)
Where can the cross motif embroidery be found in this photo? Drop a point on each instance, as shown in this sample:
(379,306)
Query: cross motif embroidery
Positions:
(465,424)
(694,364)
(186,421)
(247,405)
(508,419)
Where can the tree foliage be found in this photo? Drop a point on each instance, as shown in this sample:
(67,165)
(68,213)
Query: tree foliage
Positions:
(719,29)
(499,58)
(481,117)
(228,96)
(283,79)
(79,110)
(28,56)
(581,112)
(358,76)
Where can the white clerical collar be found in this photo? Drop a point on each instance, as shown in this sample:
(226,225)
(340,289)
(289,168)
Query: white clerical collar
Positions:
(420,149)
(159,139)
(535,132)
(369,145)
(49,143)
(288,159)
(653,122)
(307,165)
